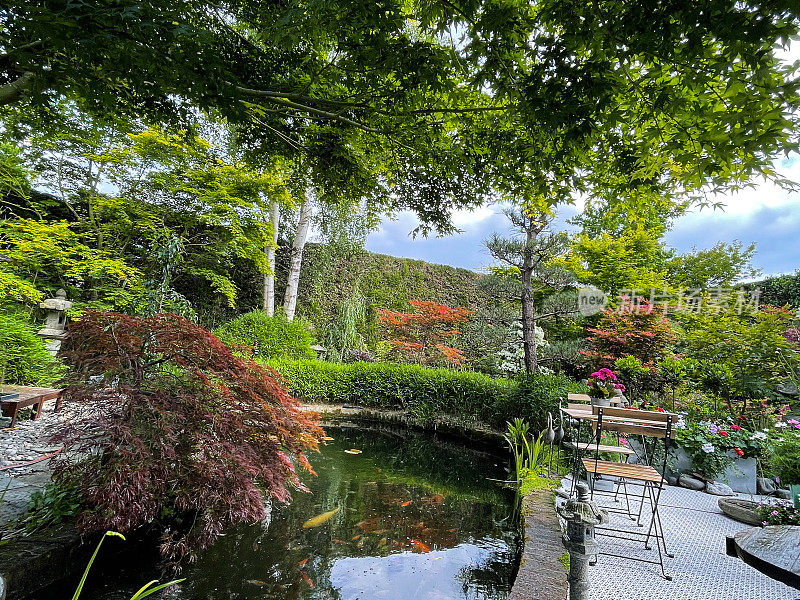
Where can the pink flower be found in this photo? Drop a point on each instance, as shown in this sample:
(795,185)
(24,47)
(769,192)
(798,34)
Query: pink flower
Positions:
(735,427)
(723,433)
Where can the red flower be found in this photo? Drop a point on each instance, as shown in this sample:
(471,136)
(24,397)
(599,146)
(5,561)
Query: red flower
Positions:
(723,433)
(735,427)
(739,451)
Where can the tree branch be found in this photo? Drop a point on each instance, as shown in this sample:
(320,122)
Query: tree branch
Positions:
(278,98)
(11,91)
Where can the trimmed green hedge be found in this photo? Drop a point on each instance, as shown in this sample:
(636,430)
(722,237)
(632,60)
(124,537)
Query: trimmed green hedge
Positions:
(23,357)
(276,336)
(425,392)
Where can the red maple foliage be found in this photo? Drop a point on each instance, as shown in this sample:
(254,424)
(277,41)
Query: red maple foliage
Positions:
(183,432)
(419,336)
(644,333)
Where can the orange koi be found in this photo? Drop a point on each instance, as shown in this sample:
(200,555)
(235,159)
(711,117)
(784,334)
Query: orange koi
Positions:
(302,562)
(355,537)
(306,578)
(420,546)
(406,503)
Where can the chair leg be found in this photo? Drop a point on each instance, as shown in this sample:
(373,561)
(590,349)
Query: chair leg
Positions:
(657,530)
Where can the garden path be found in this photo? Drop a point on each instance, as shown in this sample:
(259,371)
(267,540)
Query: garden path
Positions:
(696,530)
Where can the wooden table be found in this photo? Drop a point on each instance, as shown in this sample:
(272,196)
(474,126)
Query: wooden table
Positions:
(28,396)
(773,550)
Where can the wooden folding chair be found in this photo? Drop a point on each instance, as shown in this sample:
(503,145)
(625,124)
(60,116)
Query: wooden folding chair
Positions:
(648,424)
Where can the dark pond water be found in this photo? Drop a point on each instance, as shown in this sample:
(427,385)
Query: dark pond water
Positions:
(408,518)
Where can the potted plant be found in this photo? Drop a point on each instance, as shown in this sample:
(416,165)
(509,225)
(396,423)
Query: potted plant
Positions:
(603,385)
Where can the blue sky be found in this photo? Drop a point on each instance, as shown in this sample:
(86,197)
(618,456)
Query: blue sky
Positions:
(765,214)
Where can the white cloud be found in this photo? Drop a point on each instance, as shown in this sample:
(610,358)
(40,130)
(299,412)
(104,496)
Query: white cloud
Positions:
(465,218)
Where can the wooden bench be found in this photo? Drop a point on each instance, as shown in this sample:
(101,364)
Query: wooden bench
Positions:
(25,397)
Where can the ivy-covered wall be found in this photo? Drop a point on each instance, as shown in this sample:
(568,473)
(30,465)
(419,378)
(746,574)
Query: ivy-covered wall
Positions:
(331,278)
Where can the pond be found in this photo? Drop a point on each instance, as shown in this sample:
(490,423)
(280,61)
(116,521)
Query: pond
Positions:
(408,517)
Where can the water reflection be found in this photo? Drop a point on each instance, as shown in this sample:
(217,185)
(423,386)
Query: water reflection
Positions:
(408,518)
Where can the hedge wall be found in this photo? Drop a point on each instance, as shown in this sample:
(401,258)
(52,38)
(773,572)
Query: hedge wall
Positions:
(425,392)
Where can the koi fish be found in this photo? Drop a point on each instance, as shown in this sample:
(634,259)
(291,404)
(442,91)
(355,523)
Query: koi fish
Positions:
(382,543)
(406,503)
(352,451)
(257,582)
(420,546)
(335,541)
(302,562)
(355,537)
(321,519)
(306,578)
(327,438)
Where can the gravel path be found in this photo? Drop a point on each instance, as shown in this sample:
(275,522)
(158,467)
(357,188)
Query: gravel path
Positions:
(27,441)
(695,530)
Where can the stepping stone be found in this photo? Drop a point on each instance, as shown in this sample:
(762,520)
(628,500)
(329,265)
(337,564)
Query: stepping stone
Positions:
(719,489)
(692,483)
(765,486)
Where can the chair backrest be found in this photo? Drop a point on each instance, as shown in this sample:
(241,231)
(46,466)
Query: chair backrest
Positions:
(647,415)
(584,398)
(634,424)
(574,406)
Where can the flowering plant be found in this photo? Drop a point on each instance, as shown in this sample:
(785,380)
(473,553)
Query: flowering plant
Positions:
(603,383)
(782,512)
(712,446)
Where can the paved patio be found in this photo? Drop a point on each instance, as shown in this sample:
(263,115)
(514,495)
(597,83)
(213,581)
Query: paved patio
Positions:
(695,530)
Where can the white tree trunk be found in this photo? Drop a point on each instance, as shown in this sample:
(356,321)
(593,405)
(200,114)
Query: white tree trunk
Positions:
(269,250)
(296,261)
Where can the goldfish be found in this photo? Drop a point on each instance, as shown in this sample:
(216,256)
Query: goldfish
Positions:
(257,582)
(382,543)
(302,562)
(327,438)
(306,578)
(420,546)
(406,503)
(355,537)
(321,519)
(352,451)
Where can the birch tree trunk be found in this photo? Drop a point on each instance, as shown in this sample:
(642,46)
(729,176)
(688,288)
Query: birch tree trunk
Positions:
(269,250)
(296,261)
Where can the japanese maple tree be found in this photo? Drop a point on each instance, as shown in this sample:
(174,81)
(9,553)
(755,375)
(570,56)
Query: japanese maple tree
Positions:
(425,335)
(181,432)
(635,329)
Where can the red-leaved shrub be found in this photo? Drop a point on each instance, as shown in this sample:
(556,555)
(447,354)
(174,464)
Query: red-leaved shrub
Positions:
(182,433)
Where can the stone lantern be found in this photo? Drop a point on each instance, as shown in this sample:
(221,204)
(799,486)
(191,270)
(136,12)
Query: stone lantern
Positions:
(55,322)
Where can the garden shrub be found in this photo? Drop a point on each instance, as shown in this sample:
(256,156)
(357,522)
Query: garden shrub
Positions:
(23,357)
(784,457)
(427,392)
(277,337)
(533,396)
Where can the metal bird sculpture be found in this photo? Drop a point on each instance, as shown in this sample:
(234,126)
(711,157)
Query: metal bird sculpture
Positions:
(558,438)
(549,438)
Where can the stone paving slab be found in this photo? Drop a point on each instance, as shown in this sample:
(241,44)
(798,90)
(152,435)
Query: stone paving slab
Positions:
(695,532)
